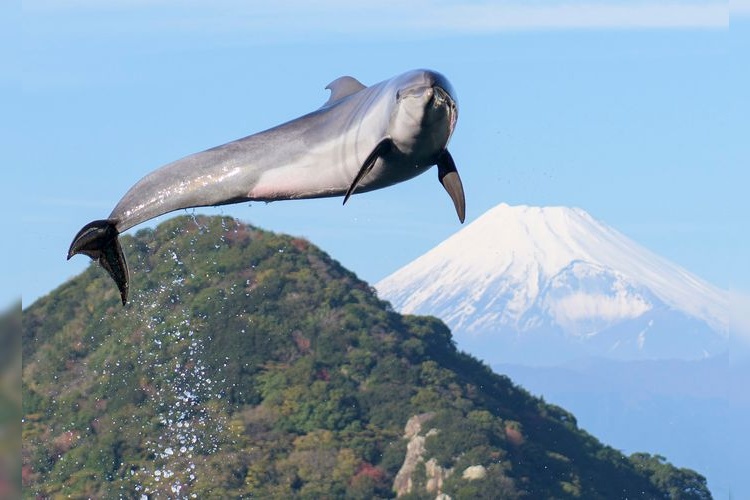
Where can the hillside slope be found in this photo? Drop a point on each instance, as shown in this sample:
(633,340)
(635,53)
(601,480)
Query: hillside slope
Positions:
(251,364)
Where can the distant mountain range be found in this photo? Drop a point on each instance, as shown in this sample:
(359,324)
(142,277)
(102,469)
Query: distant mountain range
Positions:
(541,285)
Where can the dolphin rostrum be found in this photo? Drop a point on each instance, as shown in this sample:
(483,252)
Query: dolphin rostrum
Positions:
(361,139)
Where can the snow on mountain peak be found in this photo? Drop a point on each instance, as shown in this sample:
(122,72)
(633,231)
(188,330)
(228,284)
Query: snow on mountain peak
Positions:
(517,267)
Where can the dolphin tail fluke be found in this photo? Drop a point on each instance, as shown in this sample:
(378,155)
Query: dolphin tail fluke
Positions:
(98,240)
(451,181)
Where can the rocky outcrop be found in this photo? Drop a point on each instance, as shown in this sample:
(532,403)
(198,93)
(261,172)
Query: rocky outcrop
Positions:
(435,474)
(474,472)
(415,450)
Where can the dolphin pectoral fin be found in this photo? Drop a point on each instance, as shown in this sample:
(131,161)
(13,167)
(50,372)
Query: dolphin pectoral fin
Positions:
(98,240)
(451,181)
(383,148)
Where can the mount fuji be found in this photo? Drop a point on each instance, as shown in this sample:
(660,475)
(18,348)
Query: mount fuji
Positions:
(540,285)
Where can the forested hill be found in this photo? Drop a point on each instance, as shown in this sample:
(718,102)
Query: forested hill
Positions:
(251,364)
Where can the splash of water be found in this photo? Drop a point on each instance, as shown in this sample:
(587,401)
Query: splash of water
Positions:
(189,429)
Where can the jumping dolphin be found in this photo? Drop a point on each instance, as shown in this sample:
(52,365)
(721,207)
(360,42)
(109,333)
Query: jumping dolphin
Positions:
(361,139)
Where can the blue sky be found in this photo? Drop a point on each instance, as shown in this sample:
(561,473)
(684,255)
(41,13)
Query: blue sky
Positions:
(633,111)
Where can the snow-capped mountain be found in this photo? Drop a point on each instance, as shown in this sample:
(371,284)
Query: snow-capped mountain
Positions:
(538,284)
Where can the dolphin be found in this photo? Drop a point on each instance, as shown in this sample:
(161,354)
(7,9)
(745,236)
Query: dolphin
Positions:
(361,139)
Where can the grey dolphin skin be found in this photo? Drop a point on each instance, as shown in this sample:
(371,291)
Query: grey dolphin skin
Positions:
(361,139)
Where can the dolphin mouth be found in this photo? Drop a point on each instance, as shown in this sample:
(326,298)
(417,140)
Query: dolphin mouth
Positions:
(442,100)
(440,97)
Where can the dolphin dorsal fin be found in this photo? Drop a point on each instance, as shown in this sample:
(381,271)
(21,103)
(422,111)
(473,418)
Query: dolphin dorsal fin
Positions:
(343,87)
